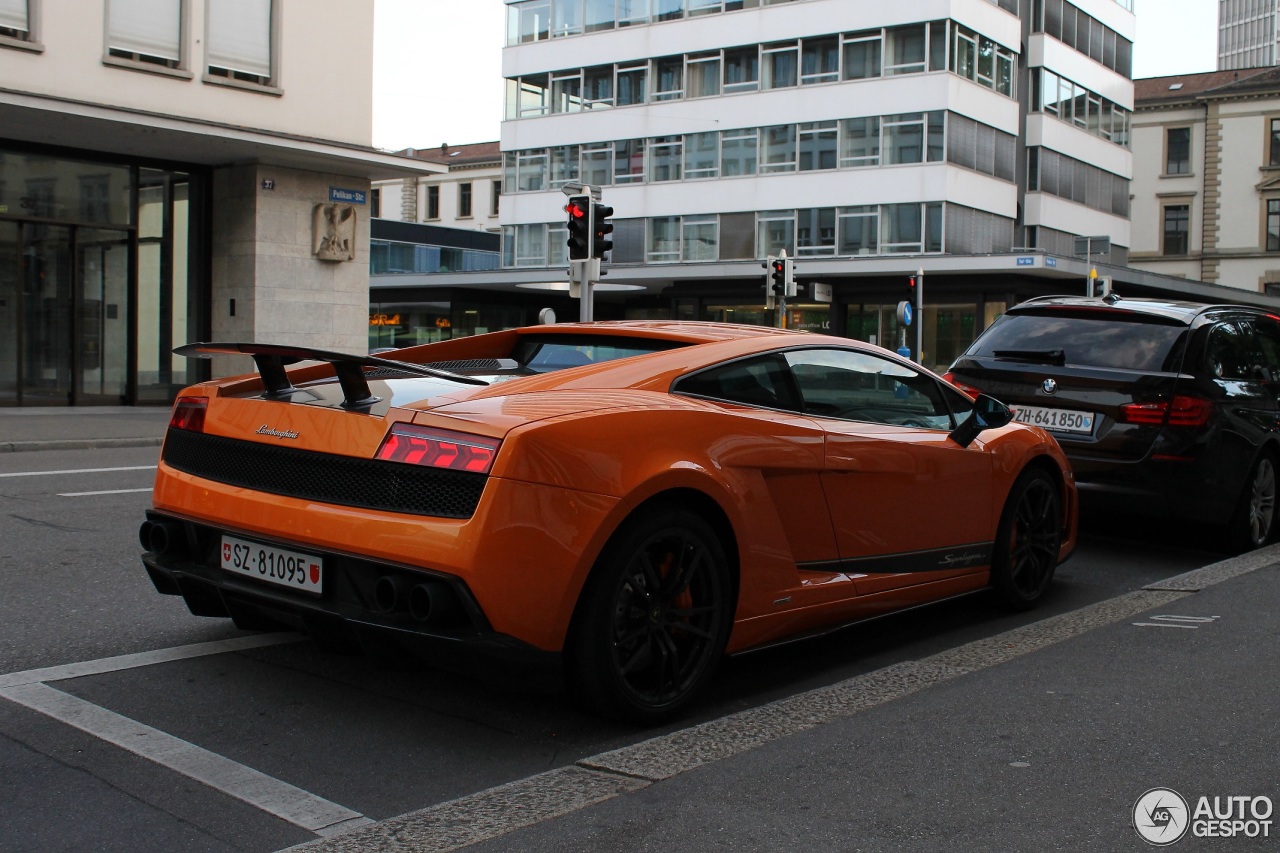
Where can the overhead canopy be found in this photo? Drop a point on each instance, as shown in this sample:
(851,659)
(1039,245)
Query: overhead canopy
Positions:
(154,136)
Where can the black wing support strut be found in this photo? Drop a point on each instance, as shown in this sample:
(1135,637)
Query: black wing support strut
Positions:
(272,358)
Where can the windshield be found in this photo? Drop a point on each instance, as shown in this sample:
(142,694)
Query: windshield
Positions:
(1113,339)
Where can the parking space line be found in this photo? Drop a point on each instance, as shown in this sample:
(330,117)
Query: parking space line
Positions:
(79,471)
(259,790)
(107,492)
(121,662)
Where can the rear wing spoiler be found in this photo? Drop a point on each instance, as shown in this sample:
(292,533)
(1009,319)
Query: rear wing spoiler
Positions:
(272,358)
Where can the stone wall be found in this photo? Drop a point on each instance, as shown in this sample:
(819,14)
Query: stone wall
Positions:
(262,258)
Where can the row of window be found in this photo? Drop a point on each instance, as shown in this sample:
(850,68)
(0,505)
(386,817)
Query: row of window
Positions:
(1085,33)
(1065,177)
(1059,97)
(811,146)
(393,257)
(237,39)
(910,49)
(538,20)
(913,228)
(1176,230)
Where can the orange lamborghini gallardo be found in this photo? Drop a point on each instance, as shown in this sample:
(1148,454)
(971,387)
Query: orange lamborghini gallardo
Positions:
(615,504)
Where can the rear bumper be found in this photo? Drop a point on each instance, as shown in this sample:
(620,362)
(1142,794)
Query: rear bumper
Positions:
(1191,488)
(366,603)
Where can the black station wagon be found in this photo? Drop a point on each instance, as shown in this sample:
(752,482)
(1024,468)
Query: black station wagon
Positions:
(1162,407)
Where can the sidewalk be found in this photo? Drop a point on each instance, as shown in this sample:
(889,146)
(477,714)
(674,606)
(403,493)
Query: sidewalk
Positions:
(77,427)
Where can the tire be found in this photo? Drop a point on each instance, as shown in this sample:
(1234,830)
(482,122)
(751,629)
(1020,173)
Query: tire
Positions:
(653,619)
(1254,522)
(1027,540)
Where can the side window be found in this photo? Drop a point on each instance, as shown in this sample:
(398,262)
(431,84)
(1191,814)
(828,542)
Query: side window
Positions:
(751,382)
(860,386)
(1268,340)
(1230,353)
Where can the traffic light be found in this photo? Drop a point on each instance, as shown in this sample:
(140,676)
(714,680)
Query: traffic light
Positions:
(768,282)
(778,276)
(579,210)
(789,277)
(601,228)
(911,291)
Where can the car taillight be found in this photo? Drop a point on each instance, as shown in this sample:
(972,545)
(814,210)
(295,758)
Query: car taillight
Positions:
(968,389)
(1183,411)
(188,413)
(439,448)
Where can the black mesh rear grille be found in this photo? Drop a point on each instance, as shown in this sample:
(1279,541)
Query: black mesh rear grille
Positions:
(325,477)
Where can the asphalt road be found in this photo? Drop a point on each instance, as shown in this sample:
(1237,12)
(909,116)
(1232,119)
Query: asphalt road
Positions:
(265,741)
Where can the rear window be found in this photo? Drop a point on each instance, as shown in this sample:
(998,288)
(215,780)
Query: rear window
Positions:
(545,353)
(1124,341)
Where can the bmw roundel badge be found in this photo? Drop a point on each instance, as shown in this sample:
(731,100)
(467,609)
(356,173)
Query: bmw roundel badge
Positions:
(1049,386)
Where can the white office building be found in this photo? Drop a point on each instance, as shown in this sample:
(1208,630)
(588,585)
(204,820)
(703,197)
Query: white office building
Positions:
(973,140)
(1247,33)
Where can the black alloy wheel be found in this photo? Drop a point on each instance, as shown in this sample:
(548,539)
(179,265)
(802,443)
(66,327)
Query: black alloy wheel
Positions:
(1254,522)
(654,618)
(1027,540)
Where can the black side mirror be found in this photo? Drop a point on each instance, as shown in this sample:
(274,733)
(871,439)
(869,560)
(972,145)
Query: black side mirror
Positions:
(988,413)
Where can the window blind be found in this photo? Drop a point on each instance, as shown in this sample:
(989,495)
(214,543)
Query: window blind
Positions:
(151,27)
(13,15)
(239,36)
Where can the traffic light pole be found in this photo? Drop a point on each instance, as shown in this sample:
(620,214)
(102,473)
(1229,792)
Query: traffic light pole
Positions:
(919,306)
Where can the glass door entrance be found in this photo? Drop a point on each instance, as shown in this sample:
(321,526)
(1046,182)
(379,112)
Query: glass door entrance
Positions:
(63,315)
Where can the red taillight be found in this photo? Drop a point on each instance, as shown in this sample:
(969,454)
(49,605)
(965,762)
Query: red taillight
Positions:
(188,413)
(439,448)
(1182,412)
(968,389)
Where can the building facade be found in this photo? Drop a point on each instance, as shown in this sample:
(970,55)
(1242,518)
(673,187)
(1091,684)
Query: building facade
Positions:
(1247,36)
(465,194)
(1207,195)
(866,141)
(179,171)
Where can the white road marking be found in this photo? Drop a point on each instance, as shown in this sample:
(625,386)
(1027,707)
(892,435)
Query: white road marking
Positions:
(107,492)
(281,799)
(1174,621)
(122,662)
(259,790)
(79,471)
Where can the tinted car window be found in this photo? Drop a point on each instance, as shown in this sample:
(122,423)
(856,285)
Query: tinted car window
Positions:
(1230,352)
(545,353)
(860,386)
(751,382)
(1099,340)
(1268,337)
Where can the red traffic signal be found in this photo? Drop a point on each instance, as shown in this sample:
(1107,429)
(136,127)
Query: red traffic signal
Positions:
(579,225)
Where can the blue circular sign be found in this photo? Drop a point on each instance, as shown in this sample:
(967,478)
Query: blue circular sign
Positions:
(904,313)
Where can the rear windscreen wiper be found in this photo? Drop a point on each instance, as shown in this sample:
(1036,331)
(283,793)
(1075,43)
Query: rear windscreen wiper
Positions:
(1036,356)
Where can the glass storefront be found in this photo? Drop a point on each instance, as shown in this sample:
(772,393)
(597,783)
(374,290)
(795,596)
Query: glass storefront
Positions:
(94,281)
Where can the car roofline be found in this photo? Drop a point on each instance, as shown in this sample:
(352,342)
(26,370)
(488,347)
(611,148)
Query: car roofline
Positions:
(1185,312)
